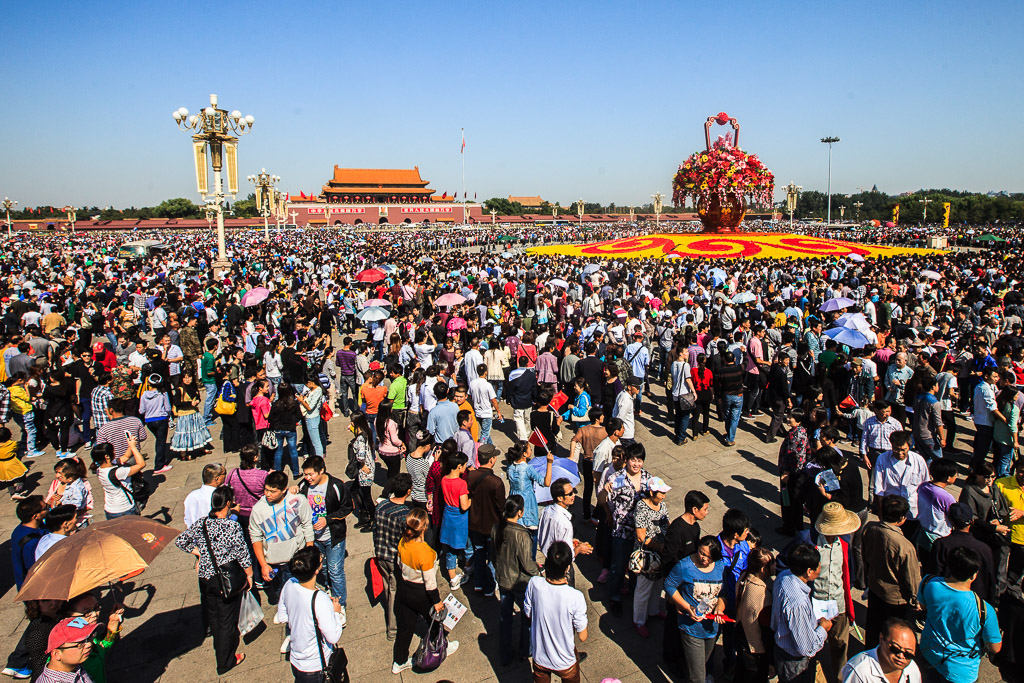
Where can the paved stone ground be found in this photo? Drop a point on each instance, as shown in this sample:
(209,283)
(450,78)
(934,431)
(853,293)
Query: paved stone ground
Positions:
(163,639)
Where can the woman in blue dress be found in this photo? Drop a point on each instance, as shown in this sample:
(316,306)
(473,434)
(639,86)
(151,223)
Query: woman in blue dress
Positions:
(522,479)
(695,585)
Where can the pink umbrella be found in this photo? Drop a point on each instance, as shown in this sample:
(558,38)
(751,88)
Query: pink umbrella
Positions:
(255,296)
(377,302)
(449,299)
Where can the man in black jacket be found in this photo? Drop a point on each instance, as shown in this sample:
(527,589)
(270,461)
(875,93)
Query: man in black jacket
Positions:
(591,369)
(331,503)
(778,394)
(522,388)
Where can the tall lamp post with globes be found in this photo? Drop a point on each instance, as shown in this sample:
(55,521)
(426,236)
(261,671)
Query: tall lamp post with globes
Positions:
(926,202)
(579,210)
(792,192)
(215,132)
(829,141)
(266,197)
(8,205)
(72,214)
(857,205)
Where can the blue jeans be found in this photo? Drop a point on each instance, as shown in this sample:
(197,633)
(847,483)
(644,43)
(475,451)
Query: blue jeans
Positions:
(313,432)
(509,599)
(451,557)
(483,573)
(334,563)
(27,422)
(293,451)
(733,408)
(86,418)
(1003,453)
(114,515)
(682,423)
(498,385)
(272,589)
(211,401)
(485,430)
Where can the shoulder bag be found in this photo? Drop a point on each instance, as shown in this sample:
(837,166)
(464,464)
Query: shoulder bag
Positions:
(433,648)
(335,670)
(229,578)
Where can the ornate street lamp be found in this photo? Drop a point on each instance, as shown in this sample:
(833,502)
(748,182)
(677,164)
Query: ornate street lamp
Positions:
(493,214)
(72,213)
(266,197)
(8,205)
(842,212)
(857,205)
(579,210)
(926,202)
(792,192)
(657,197)
(215,132)
(829,141)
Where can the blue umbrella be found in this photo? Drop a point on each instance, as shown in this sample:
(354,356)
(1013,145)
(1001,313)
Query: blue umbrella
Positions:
(561,468)
(836,304)
(847,336)
(718,276)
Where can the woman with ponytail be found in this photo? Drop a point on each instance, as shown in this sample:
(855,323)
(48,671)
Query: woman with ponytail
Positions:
(514,564)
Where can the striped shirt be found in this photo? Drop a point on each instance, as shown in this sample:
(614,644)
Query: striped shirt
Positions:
(113,433)
(876,434)
(796,628)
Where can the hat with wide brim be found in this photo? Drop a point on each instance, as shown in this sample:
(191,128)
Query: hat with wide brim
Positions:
(835,520)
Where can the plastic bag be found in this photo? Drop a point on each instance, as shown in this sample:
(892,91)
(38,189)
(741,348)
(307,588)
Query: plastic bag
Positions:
(250,614)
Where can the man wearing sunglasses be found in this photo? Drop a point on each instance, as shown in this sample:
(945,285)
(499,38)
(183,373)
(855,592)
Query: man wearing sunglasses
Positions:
(556,523)
(891,662)
(69,646)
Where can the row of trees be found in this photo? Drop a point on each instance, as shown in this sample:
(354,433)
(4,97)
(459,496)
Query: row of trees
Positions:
(970,208)
(506,208)
(179,207)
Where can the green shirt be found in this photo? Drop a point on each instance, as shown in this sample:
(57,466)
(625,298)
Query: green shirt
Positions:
(206,368)
(396,393)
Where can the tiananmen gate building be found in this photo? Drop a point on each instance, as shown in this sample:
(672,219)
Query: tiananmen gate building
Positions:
(355,196)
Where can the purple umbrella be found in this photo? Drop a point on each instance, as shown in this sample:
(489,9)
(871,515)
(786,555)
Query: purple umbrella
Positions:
(561,468)
(255,296)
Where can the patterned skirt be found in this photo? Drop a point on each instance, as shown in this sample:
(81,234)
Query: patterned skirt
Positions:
(190,433)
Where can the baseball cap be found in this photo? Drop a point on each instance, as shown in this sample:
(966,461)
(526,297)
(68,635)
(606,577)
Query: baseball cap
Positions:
(69,631)
(658,484)
(960,514)
(636,382)
(375,365)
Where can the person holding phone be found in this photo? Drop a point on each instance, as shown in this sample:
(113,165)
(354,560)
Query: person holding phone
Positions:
(118,499)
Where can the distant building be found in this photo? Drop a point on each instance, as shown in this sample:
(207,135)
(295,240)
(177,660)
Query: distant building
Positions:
(354,196)
(528,202)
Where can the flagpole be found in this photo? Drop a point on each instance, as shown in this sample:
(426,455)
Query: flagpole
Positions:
(464,176)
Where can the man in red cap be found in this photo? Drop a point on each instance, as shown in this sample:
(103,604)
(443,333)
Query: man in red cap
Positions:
(69,645)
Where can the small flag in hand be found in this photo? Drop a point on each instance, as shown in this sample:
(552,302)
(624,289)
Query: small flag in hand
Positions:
(557,401)
(538,440)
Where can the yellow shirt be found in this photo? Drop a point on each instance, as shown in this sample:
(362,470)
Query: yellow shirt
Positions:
(1014,494)
(20,400)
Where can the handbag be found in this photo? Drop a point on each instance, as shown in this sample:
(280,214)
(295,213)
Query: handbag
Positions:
(433,648)
(230,578)
(352,469)
(334,670)
(223,407)
(687,402)
(647,562)
(269,440)
(325,411)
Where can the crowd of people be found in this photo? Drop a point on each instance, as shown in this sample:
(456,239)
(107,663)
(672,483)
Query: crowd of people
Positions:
(366,388)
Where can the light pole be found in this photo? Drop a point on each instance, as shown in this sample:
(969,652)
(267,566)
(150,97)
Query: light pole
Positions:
(657,197)
(579,209)
(842,212)
(278,207)
(829,141)
(494,213)
(294,214)
(857,206)
(554,212)
(8,205)
(72,213)
(218,131)
(792,192)
(926,202)
(266,196)
(632,214)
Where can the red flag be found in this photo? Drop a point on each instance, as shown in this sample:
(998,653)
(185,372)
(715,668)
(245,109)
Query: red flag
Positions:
(538,440)
(463,150)
(444,196)
(557,401)
(302,194)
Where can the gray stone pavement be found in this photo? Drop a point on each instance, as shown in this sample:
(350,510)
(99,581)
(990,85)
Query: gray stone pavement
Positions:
(163,641)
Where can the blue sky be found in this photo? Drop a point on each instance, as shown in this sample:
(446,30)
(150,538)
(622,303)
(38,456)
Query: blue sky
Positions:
(600,100)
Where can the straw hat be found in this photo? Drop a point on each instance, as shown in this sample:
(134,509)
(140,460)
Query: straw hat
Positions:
(835,520)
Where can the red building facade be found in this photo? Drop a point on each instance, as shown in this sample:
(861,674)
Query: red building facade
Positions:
(355,196)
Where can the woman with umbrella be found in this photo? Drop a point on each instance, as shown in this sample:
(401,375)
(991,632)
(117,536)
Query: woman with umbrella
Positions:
(223,537)
(521,481)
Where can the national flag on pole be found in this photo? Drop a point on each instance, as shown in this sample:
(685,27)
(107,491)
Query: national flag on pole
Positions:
(463,150)
(302,194)
(474,196)
(557,401)
(463,194)
(538,440)
(444,196)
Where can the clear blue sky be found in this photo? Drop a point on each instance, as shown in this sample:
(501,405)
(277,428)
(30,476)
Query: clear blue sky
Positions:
(600,100)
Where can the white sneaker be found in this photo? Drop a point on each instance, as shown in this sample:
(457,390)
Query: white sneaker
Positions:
(344,617)
(453,645)
(397,668)
(456,582)
(286,644)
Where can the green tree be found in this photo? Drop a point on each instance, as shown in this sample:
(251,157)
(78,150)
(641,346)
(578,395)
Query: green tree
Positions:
(246,208)
(503,206)
(180,207)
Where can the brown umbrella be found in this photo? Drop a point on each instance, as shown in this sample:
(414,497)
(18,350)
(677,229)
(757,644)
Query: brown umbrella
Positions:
(104,552)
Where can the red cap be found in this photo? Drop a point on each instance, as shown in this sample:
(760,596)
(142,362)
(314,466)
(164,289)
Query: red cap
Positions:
(69,631)
(375,365)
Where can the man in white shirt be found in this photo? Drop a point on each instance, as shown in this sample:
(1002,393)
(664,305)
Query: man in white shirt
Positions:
(603,450)
(891,662)
(473,360)
(199,502)
(557,611)
(485,402)
(623,409)
(899,472)
(60,522)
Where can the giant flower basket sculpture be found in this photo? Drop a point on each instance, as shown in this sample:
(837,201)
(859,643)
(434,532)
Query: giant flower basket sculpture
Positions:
(721,179)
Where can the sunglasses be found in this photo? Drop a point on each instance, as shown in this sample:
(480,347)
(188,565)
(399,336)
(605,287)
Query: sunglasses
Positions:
(899,651)
(569,493)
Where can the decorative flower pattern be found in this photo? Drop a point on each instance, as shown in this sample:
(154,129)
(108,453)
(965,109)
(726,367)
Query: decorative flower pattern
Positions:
(725,170)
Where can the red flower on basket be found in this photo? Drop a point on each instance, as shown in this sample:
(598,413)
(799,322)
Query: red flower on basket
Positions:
(722,118)
(724,170)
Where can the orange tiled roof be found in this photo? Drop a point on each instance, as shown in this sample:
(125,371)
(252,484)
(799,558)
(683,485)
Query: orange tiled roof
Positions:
(378,176)
(377,190)
(527,201)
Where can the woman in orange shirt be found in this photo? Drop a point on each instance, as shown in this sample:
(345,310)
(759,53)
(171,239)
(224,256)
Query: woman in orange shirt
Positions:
(372,393)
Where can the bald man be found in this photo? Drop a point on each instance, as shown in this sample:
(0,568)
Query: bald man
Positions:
(891,662)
